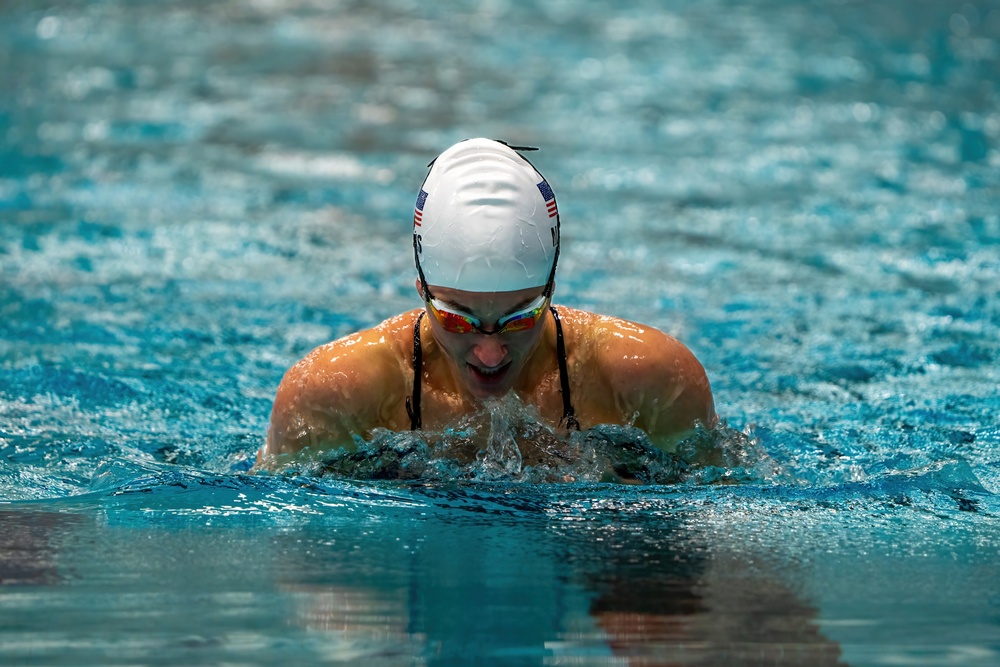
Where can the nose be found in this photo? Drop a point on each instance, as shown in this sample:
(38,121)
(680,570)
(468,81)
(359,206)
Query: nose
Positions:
(489,351)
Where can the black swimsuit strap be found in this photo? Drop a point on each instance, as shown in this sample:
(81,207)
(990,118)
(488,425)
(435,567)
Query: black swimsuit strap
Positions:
(413,405)
(569,415)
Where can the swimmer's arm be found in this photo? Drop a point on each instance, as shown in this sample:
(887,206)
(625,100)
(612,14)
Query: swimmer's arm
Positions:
(325,400)
(660,384)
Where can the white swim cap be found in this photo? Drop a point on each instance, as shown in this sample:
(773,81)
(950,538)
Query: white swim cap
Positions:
(485,221)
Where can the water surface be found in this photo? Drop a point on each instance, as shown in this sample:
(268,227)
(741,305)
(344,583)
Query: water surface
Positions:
(194,195)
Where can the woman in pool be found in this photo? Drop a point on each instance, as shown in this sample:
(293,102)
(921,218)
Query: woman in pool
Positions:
(486,245)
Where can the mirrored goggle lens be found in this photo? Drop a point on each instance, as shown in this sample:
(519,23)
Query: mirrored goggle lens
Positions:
(524,319)
(455,322)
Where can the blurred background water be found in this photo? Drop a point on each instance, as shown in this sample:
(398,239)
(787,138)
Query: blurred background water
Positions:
(194,195)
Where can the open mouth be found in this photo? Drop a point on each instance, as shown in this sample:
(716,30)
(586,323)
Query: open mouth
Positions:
(489,376)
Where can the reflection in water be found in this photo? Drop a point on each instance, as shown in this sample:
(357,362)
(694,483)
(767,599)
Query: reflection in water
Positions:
(663,597)
(720,618)
(26,549)
(358,622)
(275,570)
(525,574)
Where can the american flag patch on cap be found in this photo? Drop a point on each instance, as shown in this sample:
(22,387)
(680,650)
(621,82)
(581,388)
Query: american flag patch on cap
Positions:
(549,197)
(418,211)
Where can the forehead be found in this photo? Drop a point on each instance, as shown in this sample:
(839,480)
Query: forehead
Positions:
(486,303)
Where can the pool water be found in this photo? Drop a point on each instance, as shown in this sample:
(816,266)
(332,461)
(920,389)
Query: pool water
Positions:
(194,195)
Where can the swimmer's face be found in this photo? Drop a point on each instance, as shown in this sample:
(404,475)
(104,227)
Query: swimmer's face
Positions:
(488,365)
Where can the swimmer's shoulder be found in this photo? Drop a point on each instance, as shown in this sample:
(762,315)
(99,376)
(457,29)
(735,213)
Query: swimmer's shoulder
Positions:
(352,373)
(618,343)
(645,368)
(375,356)
(347,386)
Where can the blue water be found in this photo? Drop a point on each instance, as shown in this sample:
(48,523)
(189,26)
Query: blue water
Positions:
(194,195)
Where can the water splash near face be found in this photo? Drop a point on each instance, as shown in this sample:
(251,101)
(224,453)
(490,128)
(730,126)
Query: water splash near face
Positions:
(507,441)
(502,455)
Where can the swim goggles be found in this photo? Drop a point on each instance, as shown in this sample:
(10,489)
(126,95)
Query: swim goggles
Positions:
(455,321)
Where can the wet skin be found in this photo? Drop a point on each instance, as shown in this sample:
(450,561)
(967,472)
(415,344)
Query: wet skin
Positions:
(620,372)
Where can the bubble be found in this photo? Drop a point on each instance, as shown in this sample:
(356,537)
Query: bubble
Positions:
(937,120)
(862,112)
(590,68)
(48,27)
(96,131)
(959,25)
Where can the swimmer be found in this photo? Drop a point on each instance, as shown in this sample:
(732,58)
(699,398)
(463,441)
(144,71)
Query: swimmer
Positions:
(486,245)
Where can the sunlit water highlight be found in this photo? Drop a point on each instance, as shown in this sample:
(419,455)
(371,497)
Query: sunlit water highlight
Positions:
(194,195)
